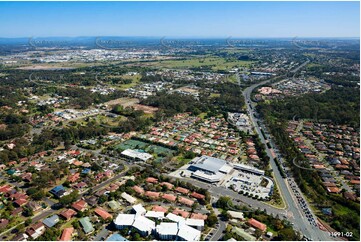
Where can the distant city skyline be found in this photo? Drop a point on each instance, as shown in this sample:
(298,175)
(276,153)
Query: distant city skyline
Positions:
(181,19)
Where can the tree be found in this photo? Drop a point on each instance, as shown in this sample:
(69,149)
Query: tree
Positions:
(212,219)
(224,203)
(66,184)
(287,234)
(31,191)
(28,221)
(28,212)
(51,234)
(226,216)
(38,195)
(103,199)
(258,233)
(68,199)
(137,237)
(129,183)
(189,155)
(75,224)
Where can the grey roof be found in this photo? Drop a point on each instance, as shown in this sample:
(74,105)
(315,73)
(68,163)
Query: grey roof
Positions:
(208,163)
(51,221)
(116,237)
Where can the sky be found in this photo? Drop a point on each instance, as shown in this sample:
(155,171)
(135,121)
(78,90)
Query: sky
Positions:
(180,19)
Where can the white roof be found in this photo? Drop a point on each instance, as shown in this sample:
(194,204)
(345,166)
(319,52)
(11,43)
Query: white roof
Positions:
(226,168)
(139,209)
(143,224)
(124,219)
(207,176)
(167,228)
(154,214)
(188,233)
(175,218)
(248,168)
(208,163)
(194,222)
(235,214)
(136,154)
(128,198)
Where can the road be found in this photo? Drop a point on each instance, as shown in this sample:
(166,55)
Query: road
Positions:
(297,217)
(219,231)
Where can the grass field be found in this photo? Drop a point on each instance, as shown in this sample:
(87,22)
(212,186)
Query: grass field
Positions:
(135,80)
(232,79)
(102,119)
(215,63)
(148,147)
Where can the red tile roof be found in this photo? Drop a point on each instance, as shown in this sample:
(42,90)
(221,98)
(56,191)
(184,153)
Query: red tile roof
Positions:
(197,195)
(181,212)
(151,180)
(68,213)
(167,184)
(157,208)
(333,189)
(152,194)
(138,190)
(74,177)
(102,213)
(186,201)
(5,189)
(80,185)
(169,197)
(18,195)
(257,224)
(199,216)
(67,233)
(182,190)
(80,205)
(20,202)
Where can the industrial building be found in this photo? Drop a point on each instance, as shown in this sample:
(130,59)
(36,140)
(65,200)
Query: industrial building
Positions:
(136,155)
(209,169)
(178,229)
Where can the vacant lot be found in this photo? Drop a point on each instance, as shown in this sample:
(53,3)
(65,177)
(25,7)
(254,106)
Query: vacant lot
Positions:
(132,102)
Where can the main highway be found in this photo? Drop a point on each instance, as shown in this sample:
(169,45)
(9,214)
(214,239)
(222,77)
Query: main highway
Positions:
(297,217)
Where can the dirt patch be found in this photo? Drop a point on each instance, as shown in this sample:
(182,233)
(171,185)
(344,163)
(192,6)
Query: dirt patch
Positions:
(132,102)
(125,102)
(145,109)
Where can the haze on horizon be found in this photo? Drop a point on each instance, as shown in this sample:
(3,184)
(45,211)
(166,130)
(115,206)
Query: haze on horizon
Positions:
(181,19)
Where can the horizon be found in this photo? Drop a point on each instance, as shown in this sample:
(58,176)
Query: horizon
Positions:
(181,19)
(183,37)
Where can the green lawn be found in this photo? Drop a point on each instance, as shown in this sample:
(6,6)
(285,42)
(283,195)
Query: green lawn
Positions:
(135,80)
(203,115)
(215,63)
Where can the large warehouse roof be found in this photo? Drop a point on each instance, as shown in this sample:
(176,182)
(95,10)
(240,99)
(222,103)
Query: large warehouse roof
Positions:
(208,163)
